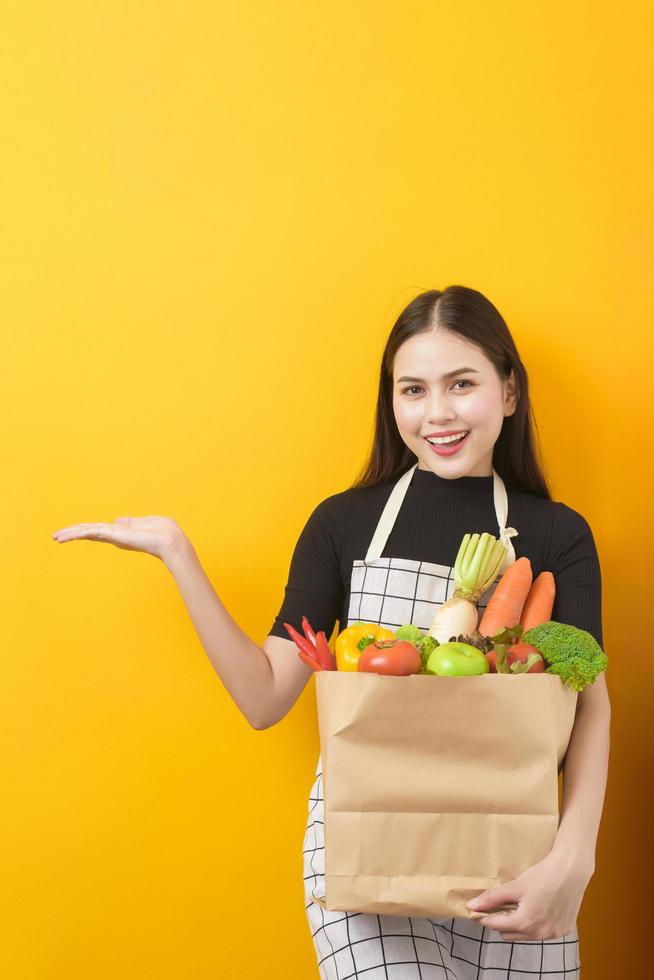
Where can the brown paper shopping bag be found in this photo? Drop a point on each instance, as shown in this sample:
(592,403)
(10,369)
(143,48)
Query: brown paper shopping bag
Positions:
(437,788)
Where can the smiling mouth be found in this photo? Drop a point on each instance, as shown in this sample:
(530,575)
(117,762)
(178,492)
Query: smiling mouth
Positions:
(449,441)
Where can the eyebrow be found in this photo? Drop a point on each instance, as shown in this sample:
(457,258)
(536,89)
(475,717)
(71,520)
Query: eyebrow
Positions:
(444,377)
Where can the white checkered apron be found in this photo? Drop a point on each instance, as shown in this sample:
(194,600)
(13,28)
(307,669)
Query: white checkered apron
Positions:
(393,592)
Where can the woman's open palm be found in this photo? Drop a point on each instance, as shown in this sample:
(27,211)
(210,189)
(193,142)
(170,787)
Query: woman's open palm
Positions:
(153,534)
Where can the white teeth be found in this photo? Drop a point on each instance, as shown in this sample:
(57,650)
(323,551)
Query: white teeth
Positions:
(443,440)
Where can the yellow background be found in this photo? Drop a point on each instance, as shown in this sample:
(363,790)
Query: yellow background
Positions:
(212,214)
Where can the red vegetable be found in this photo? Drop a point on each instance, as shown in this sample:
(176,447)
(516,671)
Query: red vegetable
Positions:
(520,652)
(314,648)
(309,661)
(396,657)
(308,632)
(307,650)
(326,658)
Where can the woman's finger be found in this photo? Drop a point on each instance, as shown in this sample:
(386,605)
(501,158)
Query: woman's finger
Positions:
(83,531)
(73,529)
(65,532)
(501,920)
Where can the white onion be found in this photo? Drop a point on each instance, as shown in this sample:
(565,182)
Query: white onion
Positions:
(454,617)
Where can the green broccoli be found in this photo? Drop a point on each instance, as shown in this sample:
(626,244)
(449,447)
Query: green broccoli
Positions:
(572,653)
(425,646)
(410,633)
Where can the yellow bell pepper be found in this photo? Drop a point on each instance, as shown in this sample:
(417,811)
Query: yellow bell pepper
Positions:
(347,646)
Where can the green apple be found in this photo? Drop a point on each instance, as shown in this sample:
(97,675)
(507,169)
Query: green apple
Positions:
(457,660)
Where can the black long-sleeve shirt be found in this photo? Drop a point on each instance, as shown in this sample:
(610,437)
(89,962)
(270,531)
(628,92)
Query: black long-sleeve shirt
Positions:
(435,515)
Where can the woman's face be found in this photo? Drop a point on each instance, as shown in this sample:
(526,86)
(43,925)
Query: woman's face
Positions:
(445,398)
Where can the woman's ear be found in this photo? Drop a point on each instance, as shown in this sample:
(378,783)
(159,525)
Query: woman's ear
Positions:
(510,394)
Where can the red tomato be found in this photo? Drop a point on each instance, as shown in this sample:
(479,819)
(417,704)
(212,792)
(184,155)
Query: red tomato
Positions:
(397,657)
(520,651)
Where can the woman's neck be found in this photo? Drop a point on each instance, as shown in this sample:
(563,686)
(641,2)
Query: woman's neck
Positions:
(429,478)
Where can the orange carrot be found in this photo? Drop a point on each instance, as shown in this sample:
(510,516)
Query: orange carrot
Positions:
(505,605)
(540,602)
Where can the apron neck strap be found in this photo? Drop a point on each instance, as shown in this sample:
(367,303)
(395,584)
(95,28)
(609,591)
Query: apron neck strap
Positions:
(389,515)
(501,503)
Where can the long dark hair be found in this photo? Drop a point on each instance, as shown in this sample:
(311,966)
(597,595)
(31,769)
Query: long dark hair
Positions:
(516,455)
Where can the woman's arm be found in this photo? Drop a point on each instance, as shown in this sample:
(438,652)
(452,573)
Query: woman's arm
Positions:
(241,664)
(244,668)
(585,770)
(575,563)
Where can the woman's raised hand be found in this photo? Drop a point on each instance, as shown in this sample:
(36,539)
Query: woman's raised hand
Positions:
(152,534)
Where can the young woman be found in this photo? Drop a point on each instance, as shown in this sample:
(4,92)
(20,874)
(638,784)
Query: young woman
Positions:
(454,451)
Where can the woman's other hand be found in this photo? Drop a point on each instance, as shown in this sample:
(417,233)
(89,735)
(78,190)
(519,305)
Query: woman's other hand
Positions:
(153,534)
(548,897)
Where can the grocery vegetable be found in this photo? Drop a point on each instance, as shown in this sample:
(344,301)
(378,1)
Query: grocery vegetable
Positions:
(397,657)
(457,660)
(423,642)
(313,647)
(411,633)
(307,650)
(426,645)
(477,564)
(308,632)
(309,659)
(325,656)
(351,643)
(505,605)
(522,658)
(540,601)
(572,653)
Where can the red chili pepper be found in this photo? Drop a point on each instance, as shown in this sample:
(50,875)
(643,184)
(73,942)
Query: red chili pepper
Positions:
(322,651)
(325,656)
(305,647)
(308,632)
(309,661)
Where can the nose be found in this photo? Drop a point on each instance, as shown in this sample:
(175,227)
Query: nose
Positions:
(440,408)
